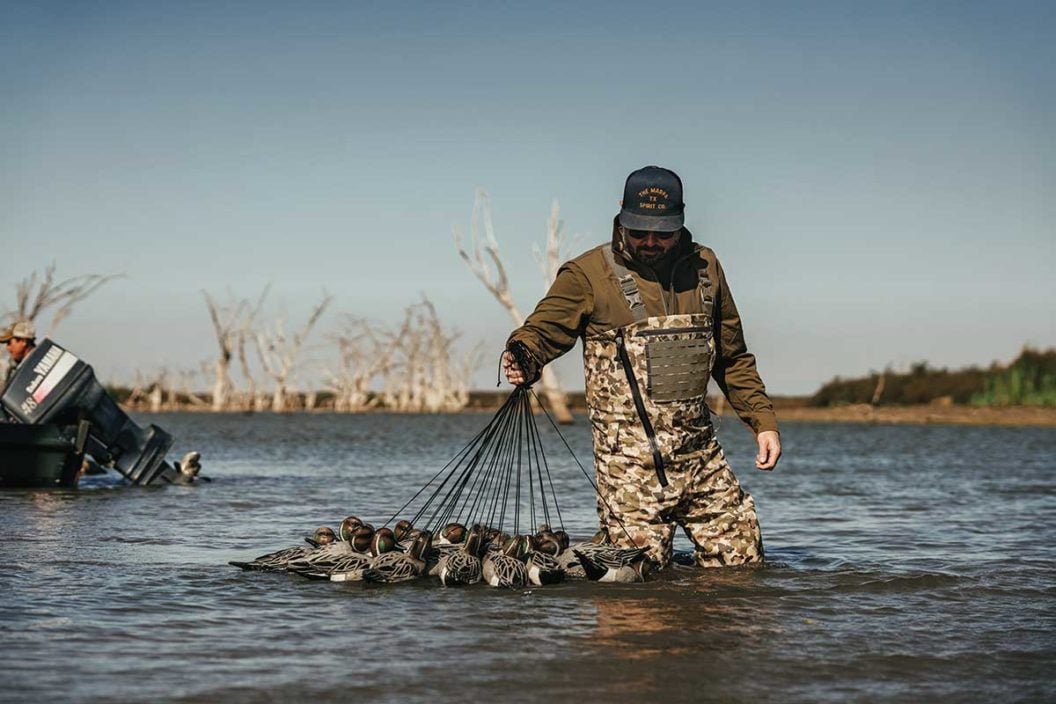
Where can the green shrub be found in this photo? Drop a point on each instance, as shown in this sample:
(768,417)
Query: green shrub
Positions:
(1029,380)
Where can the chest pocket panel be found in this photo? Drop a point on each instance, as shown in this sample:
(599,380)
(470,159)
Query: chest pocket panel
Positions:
(677,370)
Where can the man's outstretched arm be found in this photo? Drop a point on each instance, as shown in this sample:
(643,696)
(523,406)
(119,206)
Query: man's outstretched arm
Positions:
(554,326)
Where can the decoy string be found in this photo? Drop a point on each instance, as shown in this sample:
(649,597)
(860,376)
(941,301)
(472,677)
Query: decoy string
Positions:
(585,474)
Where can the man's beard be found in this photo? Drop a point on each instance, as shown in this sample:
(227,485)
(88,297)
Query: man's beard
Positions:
(652,257)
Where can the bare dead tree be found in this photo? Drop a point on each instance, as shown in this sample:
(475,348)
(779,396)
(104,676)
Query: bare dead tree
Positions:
(185,389)
(364,352)
(423,376)
(400,383)
(226,319)
(233,322)
(278,352)
(254,400)
(156,397)
(138,392)
(465,367)
(160,393)
(148,391)
(557,248)
(878,391)
(436,392)
(446,388)
(486,264)
(41,292)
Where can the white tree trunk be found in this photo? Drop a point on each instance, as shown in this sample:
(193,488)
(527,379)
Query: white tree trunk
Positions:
(278,398)
(222,384)
(224,320)
(156,398)
(499,286)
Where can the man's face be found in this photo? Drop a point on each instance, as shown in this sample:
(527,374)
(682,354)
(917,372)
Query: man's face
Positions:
(650,247)
(17,348)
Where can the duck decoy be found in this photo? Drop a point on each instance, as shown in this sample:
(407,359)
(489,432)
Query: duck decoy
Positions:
(353,567)
(346,556)
(280,558)
(506,568)
(393,567)
(543,567)
(463,565)
(610,564)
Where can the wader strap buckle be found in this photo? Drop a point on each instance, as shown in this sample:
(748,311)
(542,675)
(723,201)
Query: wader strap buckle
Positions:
(628,286)
(707,296)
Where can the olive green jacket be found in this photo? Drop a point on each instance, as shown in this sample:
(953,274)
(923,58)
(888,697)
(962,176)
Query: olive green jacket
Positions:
(585,300)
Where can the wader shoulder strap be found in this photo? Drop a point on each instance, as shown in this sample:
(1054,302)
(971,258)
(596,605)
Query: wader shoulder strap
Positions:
(628,286)
(704,285)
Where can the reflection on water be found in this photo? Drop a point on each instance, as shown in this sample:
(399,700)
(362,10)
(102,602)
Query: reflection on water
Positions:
(904,564)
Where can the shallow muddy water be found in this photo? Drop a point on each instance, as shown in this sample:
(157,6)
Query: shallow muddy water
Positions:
(905,563)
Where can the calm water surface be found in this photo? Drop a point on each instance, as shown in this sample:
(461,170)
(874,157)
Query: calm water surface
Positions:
(904,564)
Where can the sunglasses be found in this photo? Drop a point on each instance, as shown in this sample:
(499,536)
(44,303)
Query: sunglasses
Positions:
(642,234)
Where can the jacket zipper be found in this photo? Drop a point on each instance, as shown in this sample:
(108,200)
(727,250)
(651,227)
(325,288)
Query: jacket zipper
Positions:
(639,405)
(671,285)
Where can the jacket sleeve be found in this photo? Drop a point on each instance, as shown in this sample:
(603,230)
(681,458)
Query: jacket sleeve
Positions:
(560,318)
(735,371)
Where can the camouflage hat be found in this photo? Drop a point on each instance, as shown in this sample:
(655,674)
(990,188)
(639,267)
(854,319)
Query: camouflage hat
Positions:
(22,329)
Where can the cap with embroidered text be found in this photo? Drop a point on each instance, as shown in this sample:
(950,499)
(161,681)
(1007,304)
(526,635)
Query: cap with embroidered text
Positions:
(652,200)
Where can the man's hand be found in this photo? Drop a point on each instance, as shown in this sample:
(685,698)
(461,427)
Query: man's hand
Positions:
(514,374)
(769,449)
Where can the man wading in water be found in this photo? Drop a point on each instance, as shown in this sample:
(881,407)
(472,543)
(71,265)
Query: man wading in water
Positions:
(657,319)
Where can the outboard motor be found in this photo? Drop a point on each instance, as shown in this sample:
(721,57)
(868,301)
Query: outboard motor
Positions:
(52,385)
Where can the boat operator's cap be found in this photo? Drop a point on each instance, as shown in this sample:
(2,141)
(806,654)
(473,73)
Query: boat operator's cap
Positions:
(652,201)
(23,329)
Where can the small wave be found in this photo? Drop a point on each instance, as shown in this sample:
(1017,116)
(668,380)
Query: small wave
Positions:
(49,623)
(869,582)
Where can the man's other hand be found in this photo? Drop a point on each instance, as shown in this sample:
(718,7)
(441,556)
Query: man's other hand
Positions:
(769,449)
(513,372)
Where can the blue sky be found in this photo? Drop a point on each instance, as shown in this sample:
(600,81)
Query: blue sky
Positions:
(878,179)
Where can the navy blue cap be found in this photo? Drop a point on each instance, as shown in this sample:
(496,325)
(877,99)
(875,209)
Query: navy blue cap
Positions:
(652,201)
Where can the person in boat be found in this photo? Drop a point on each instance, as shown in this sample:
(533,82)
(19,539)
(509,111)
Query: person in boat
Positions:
(20,339)
(656,317)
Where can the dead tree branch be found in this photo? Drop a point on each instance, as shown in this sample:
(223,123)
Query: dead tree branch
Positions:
(40,292)
(364,352)
(485,257)
(423,376)
(278,352)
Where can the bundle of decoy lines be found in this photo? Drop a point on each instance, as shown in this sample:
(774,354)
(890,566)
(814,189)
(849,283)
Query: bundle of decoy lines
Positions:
(470,518)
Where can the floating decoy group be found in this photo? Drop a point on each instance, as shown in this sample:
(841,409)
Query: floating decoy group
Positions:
(453,556)
(464,512)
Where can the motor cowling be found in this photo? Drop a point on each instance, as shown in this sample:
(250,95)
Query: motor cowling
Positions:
(52,385)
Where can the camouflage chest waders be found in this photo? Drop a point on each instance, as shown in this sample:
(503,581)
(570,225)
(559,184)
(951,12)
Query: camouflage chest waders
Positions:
(657,459)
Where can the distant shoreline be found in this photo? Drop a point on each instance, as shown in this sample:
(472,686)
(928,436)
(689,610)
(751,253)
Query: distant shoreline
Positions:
(789,410)
(927,414)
